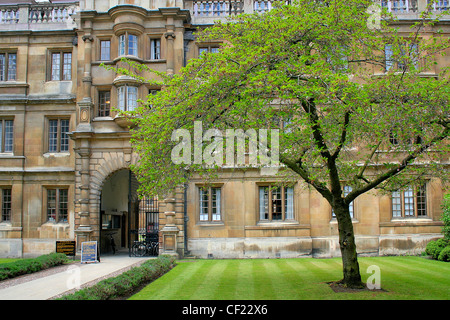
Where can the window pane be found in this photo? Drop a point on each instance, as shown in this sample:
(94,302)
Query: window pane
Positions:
(388,56)
(53,136)
(214,50)
(9,133)
(289,203)
(121,99)
(263,203)
(12,66)
(347,190)
(215,203)
(64,136)
(105,50)
(132,45)
(122,43)
(202,50)
(409,202)
(67,66)
(155,49)
(104,105)
(6,205)
(56,65)
(62,203)
(276,204)
(203,205)
(422,201)
(51,204)
(396,204)
(2,67)
(131,98)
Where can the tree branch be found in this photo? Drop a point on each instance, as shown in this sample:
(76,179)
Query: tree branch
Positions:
(394,171)
(320,187)
(343,136)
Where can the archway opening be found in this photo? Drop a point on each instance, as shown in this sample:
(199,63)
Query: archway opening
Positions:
(127,219)
(115,211)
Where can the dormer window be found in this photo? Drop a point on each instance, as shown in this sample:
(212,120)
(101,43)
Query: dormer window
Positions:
(128,45)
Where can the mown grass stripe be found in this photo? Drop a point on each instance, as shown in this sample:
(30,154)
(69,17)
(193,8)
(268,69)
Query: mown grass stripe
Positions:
(209,287)
(245,286)
(185,292)
(167,286)
(305,278)
(228,281)
(262,286)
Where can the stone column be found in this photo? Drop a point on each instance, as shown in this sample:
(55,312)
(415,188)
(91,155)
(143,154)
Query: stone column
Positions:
(85,105)
(84,229)
(170,37)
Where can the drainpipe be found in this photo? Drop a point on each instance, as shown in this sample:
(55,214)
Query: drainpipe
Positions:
(188,37)
(186,219)
(129,213)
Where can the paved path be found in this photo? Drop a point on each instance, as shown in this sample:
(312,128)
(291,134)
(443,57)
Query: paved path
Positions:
(49,283)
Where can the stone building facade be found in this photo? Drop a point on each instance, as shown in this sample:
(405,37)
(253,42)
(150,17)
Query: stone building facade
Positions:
(65,153)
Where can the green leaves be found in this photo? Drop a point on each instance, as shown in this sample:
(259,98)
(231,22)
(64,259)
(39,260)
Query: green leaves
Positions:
(317,72)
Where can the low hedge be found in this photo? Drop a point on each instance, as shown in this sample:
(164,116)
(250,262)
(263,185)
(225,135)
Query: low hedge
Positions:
(435,248)
(25,266)
(445,254)
(126,283)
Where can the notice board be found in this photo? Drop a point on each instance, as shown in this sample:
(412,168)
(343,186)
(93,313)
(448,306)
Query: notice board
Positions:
(66,247)
(89,252)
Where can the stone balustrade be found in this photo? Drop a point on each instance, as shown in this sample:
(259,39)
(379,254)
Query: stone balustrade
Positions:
(36,16)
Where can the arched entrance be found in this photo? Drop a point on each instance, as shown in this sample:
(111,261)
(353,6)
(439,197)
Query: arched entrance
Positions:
(132,221)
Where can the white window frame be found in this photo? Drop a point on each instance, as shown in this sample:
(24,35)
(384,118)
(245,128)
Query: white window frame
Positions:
(128,44)
(127,97)
(210,203)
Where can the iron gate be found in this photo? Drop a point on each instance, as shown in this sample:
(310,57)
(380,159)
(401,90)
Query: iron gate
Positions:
(145,238)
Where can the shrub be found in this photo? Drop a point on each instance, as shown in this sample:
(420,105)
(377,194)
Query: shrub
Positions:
(126,283)
(445,254)
(434,248)
(25,266)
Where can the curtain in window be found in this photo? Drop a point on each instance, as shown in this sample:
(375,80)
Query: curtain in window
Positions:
(131,98)
(215,204)
(289,196)
(122,43)
(263,203)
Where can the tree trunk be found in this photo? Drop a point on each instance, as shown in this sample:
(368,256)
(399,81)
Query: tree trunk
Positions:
(352,276)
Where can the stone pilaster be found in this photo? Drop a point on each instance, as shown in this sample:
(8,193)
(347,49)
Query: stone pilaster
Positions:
(170,231)
(84,228)
(170,38)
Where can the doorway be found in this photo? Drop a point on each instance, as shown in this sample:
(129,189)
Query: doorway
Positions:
(114,211)
(131,220)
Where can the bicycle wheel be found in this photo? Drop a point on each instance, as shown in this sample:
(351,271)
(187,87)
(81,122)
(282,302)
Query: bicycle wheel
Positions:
(138,249)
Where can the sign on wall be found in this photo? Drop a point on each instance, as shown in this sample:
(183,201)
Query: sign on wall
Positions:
(66,247)
(89,252)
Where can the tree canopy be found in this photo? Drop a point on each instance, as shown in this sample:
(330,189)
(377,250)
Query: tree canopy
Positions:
(357,103)
(319,68)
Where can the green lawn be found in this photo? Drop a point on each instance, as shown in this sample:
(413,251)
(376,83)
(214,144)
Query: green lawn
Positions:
(8,260)
(297,279)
